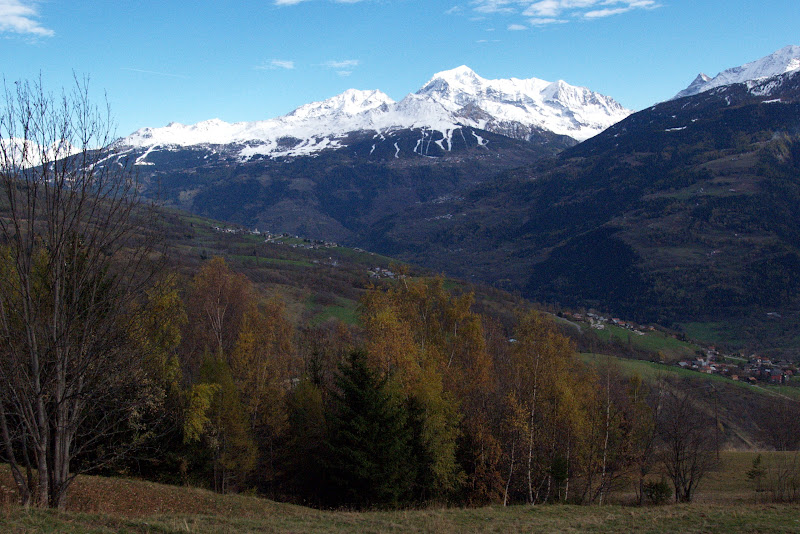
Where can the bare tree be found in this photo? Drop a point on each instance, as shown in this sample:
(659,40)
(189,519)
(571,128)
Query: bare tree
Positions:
(74,259)
(782,428)
(688,449)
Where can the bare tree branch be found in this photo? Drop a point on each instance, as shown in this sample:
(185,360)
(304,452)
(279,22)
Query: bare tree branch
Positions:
(78,249)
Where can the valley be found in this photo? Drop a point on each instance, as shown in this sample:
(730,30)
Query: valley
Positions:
(406,315)
(682,214)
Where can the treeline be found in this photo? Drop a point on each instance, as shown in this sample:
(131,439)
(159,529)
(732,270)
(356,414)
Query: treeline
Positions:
(425,402)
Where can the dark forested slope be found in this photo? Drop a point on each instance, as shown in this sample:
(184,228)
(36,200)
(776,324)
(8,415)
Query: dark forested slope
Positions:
(684,212)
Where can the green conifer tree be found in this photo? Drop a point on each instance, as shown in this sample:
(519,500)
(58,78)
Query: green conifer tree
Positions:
(368,443)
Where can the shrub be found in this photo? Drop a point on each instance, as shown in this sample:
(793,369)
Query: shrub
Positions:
(657,492)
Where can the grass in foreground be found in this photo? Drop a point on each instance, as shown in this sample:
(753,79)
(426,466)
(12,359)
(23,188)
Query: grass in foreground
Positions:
(724,504)
(683,518)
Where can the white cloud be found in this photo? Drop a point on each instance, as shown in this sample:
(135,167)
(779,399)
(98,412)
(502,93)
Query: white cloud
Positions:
(600,13)
(516,27)
(18,16)
(546,21)
(543,9)
(541,12)
(274,64)
(282,64)
(496,6)
(344,65)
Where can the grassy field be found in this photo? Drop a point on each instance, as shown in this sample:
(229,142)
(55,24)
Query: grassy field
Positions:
(570,519)
(651,341)
(261,260)
(725,503)
(713,332)
(345,310)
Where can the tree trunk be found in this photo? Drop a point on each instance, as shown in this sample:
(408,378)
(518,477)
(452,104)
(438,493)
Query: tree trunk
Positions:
(510,470)
(531,431)
(566,482)
(605,440)
(24,485)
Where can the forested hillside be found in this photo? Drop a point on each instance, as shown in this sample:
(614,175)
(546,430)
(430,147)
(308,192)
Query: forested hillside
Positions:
(146,342)
(683,213)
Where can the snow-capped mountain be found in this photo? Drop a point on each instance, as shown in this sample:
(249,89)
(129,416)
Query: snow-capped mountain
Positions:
(449,101)
(785,60)
(497,105)
(17,153)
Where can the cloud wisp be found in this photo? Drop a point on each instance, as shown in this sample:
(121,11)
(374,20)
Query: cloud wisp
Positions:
(342,67)
(17,16)
(275,64)
(544,12)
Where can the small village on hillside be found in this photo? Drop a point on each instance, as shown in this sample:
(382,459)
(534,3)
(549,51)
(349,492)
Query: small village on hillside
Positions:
(752,368)
(298,242)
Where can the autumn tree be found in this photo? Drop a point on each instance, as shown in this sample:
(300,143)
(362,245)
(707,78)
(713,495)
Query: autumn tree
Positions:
(216,305)
(227,432)
(643,431)
(542,364)
(613,430)
(263,364)
(254,341)
(157,334)
(402,349)
(77,250)
(434,342)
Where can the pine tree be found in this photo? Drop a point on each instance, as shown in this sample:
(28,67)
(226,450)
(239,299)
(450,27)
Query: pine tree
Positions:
(368,444)
(304,453)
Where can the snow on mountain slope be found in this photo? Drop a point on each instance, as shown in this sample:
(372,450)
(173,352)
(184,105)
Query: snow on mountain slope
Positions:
(785,60)
(557,107)
(450,100)
(314,124)
(17,153)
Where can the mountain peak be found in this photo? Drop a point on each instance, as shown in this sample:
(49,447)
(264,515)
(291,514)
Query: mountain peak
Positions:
(451,100)
(787,59)
(351,102)
(461,79)
(457,73)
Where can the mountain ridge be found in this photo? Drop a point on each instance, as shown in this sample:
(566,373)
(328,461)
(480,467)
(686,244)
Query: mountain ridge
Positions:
(450,100)
(782,61)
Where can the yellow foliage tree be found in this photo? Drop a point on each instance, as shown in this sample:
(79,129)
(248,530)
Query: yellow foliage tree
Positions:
(543,370)
(263,364)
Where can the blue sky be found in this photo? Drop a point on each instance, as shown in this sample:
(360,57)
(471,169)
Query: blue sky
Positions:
(163,61)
